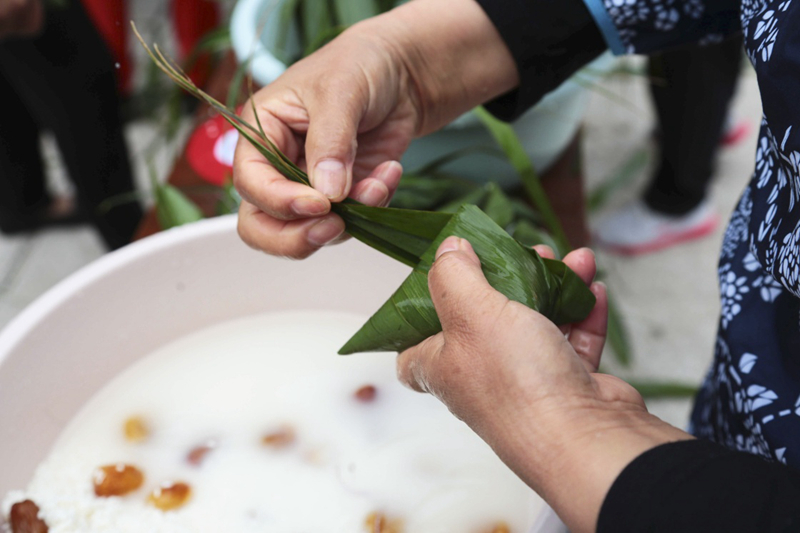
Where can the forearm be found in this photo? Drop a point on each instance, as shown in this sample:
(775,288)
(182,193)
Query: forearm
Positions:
(572,456)
(453,54)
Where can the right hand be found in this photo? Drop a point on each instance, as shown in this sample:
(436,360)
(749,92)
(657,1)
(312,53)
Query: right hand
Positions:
(348,112)
(20,17)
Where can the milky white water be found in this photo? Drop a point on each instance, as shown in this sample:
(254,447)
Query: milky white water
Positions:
(402,454)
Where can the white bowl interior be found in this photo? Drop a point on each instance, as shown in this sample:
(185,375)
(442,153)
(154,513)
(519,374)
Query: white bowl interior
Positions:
(70,342)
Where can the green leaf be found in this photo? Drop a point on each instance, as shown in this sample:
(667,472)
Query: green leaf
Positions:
(322,39)
(498,206)
(402,234)
(617,336)
(509,142)
(286,20)
(429,192)
(664,389)
(476,197)
(529,235)
(316,20)
(173,208)
(547,286)
(349,12)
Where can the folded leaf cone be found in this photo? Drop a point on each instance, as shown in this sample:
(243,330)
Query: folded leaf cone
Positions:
(547,286)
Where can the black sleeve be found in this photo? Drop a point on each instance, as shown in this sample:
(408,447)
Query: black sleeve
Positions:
(697,486)
(549,40)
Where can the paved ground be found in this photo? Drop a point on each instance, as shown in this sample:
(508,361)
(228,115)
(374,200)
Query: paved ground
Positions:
(669,299)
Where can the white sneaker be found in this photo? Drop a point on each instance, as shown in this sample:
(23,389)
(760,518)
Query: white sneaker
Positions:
(636,229)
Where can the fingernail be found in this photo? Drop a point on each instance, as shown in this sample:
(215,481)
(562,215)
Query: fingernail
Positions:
(309,206)
(325,231)
(330,178)
(374,194)
(450,244)
(389,169)
(588,250)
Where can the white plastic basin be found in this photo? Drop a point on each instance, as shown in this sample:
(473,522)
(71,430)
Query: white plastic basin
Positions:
(65,346)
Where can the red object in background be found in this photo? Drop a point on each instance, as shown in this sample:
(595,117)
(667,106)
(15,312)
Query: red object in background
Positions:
(191,20)
(111,19)
(210,150)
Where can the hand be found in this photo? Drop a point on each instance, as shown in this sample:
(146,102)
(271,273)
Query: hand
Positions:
(348,112)
(20,17)
(528,390)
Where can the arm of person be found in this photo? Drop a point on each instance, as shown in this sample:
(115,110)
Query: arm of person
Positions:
(583,440)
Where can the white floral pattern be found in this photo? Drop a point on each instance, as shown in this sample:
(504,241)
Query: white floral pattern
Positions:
(751,396)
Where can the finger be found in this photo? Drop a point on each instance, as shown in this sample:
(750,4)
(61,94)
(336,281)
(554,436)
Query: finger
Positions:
(416,365)
(262,185)
(331,139)
(378,188)
(545,251)
(295,239)
(582,262)
(589,336)
(459,290)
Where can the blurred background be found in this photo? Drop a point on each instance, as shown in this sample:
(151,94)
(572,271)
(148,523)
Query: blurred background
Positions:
(599,130)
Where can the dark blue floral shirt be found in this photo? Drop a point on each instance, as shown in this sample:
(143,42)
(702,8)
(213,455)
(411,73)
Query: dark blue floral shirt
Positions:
(751,396)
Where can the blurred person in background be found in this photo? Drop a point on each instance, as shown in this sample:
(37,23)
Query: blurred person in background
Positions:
(56,74)
(190,21)
(691,88)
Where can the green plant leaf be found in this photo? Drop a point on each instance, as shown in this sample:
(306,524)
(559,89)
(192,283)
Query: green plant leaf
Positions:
(529,235)
(509,142)
(316,21)
(349,12)
(429,192)
(663,389)
(617,336)
(402,234)
(408,317)
(173,208)
(498,206)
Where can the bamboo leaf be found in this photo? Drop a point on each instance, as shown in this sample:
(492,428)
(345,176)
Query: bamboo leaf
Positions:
(617,336)
(322,39)
(529,235)
(476,197)
(498,206)
(664,389)
(409,317)
(173,208)
(317,20)
(429,192)
(402,234)
(507,138)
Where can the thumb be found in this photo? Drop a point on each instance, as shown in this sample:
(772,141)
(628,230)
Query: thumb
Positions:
(331,145)
(459,290)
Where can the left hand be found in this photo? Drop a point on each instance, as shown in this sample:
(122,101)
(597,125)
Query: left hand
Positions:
(529,391)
